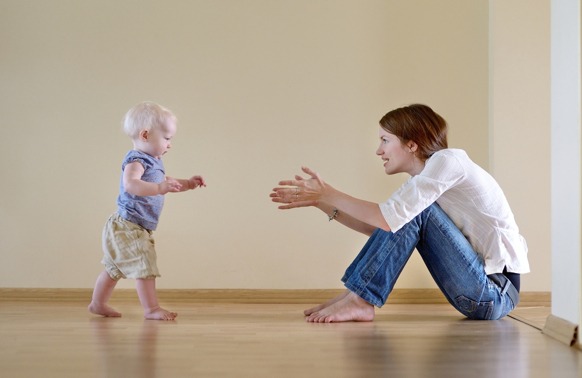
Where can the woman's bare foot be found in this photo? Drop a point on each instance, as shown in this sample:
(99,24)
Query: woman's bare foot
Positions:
(103,310)
(159,313)
(320,307)
(351,308)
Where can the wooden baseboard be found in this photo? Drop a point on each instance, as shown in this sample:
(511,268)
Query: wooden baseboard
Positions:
(398,296)
(561,330)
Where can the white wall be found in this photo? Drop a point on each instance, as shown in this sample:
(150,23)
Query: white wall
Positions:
(566,145)
(520,122)
(260,88)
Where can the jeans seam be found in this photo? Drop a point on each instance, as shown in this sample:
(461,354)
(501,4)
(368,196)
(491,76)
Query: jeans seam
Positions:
(377,264)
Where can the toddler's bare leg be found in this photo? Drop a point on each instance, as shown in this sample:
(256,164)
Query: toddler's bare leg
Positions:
(146,290)
(311,310)
(101,294)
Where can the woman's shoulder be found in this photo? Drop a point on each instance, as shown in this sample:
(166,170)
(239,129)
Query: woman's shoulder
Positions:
(451,152)
(447,164)
(448,156)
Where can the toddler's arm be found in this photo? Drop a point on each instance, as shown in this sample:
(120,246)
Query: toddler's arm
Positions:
(133,184)
(191,183)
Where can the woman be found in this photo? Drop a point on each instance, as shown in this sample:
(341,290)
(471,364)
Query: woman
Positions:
(451,210)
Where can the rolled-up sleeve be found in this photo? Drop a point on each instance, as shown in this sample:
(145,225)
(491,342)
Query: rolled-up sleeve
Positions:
(440,173)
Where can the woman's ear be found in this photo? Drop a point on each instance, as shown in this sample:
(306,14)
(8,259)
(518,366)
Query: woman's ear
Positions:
(412,146)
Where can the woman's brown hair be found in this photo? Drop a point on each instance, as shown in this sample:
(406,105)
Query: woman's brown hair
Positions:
(420,124)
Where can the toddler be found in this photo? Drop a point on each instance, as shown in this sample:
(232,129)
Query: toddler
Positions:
(128,245)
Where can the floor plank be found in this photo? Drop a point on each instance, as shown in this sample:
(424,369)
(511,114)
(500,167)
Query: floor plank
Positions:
(60,339)
(534,316)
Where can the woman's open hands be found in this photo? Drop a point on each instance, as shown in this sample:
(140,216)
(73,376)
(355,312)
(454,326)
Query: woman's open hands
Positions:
(301,192)
(359,215)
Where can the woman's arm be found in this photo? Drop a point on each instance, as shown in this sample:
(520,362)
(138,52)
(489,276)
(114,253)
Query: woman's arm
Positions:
(346,220)
(360,215)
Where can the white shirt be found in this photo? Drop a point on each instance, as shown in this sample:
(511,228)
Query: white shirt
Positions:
(472,199)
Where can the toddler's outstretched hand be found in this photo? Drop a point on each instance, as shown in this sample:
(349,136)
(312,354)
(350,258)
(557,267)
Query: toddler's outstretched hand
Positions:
(196,181)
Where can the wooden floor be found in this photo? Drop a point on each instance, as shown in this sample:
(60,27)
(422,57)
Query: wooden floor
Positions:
(61,339)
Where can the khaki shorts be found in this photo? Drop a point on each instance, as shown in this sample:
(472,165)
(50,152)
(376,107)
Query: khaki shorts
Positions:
(128,250)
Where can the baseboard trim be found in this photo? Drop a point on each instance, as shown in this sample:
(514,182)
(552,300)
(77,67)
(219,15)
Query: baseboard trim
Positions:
(398,296)
(561,330)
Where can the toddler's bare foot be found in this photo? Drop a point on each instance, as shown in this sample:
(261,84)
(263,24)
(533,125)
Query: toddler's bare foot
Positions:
(350,308)
(103,310)
(320,307)
(159,313)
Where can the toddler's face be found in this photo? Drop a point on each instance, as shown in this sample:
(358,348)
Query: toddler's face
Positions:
(158,139)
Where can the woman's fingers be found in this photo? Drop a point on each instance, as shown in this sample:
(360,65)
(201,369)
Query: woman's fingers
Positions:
(286,190)
(310,172)
(285,195)
(314,175)
(289,182)
(294,205)
(300,192)
(299,180)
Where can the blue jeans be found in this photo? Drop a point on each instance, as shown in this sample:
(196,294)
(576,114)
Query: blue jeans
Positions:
(456,268)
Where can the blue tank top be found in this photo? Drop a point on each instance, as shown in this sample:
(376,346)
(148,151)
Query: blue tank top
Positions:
(144,211)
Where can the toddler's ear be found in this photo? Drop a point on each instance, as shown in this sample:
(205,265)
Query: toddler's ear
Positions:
(143,135)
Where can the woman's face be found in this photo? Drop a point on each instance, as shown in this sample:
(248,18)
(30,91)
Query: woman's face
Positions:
(398,157)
